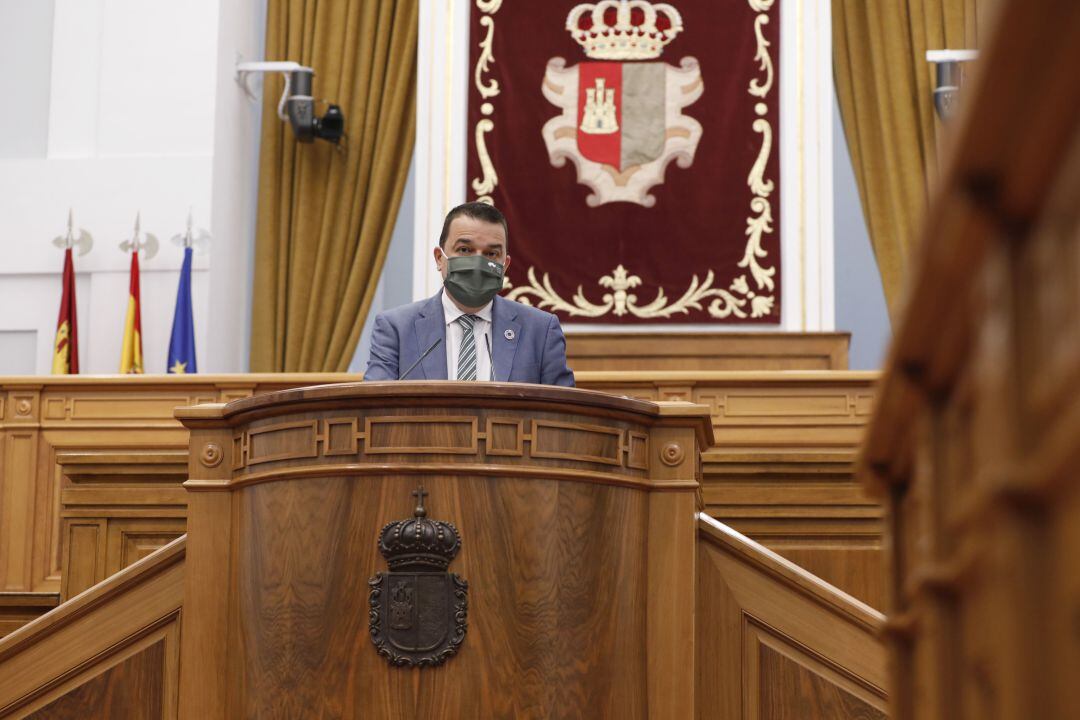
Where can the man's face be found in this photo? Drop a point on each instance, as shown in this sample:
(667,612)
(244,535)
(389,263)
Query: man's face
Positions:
(469,236)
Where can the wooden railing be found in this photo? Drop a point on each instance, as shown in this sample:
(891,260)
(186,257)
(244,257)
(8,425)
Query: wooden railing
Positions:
(775,641)
(112,651)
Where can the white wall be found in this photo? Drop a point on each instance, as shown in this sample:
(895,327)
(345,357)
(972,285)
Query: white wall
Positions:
(133,87)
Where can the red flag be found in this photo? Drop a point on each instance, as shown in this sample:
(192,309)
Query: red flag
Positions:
(66,347)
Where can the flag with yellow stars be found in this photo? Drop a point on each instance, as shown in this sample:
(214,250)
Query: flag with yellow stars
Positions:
(182,342)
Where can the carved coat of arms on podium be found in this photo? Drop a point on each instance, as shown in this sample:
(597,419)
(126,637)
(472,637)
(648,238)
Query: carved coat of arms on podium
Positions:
(622,123)
(418,609)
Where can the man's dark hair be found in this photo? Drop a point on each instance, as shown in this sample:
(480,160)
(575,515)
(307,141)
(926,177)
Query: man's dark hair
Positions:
(477,211)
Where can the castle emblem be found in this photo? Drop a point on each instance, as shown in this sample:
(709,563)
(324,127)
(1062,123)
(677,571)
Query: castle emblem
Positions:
(621,122)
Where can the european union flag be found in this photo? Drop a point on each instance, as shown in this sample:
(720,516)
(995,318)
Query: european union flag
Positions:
(182,343)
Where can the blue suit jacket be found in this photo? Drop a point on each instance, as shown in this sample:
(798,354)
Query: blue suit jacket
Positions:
(527,344)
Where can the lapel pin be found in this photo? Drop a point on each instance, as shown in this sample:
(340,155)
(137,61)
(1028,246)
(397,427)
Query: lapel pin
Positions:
(508,334)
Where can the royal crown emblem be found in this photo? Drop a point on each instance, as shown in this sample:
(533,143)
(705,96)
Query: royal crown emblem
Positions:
(630,30)
(418,609)
(622,123)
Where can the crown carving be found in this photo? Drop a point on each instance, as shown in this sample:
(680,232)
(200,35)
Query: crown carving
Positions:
(419,544)
(624,29)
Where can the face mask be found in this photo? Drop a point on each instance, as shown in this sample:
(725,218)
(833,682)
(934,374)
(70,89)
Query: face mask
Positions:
(473,280)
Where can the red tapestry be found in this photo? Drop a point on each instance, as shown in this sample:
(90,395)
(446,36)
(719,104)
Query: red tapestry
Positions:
(633,147)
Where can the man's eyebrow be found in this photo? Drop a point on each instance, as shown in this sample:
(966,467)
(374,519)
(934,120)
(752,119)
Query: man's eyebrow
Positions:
(464,240)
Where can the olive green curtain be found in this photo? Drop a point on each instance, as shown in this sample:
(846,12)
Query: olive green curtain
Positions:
(325,214)
(885,89)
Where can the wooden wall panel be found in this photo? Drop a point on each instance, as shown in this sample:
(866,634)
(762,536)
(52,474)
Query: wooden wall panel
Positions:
(646,353)
(309,633)
(133,689)
(112,652)
(776,643)
(785,443)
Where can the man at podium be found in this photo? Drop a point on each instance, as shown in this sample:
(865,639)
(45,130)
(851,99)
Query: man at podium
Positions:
(466,331)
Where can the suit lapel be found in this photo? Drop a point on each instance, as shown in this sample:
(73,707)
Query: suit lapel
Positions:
(506,332)
(430,325)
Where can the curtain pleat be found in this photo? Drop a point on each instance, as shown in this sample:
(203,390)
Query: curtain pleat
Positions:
(884,86)
(326,214)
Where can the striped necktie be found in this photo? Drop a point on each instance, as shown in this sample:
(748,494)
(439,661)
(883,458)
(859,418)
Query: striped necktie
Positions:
(466,366)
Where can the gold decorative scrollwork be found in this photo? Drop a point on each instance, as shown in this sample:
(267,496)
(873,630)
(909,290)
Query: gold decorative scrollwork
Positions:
(725,302)
(758,88)
(759,223)
(739,299)
(484,185)
(483,63)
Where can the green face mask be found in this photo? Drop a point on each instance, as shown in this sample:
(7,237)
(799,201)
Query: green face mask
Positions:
(473,280)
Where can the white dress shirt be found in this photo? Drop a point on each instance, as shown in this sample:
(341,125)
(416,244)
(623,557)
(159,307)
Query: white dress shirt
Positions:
(481,335)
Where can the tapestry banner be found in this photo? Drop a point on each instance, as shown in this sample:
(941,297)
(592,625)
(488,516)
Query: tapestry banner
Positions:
(633,147)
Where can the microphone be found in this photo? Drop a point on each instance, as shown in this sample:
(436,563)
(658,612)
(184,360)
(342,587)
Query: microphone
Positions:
(420,359)
(491,361)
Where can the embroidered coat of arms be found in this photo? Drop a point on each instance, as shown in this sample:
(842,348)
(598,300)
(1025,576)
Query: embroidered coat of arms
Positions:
(622,122)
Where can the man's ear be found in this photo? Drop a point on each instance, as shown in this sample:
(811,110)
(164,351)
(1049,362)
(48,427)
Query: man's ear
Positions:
(439,255)
(506,264)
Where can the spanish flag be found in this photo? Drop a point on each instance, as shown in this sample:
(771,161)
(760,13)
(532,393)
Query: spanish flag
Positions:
(66,347)
(131,358)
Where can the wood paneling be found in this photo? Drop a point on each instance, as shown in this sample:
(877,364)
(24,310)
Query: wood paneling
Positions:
(646,353)
(974,443)
(580,566)
(783,450)
(777,643)
(112,652)
(46,489)
(19,608)
(130,690)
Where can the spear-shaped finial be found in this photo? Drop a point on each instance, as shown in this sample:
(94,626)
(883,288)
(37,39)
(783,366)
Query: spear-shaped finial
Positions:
(192,237)
(80,240)
(187,233)
(140,242)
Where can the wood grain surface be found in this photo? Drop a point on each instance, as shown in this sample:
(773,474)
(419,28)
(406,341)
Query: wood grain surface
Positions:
(651,352)
(89,471)
(556,573)
(777,643)
(586,501)
(974,445)
(130,690)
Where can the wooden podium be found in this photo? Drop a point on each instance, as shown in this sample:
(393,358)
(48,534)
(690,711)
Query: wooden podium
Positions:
(576,516)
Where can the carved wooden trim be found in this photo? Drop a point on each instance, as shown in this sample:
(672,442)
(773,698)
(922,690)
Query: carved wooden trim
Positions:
(479,469)
(307,447)
(637,450)
(536,450)
(331,434)
(490,447)
(371,424)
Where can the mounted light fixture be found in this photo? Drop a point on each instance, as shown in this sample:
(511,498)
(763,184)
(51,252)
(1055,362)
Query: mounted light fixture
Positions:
(949,77)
